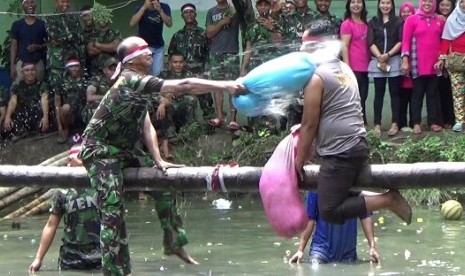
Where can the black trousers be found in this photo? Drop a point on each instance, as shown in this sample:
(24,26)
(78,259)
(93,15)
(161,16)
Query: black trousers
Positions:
(336,201)
(447,103)
(426,85)
(362,80)
(394,92)
(405,105)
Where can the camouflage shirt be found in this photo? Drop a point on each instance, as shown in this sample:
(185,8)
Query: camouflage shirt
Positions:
(89,33)
(294,25)
(80,214)
(101,85)
(263,49)
(29,94)
(65,37)
(73,92)
(104,37)
(192,43)
(119,119)
(335,23)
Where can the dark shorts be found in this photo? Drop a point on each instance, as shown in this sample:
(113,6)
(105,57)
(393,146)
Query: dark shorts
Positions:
(82,258)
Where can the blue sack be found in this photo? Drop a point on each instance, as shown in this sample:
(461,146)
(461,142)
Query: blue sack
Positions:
(250,105)
(280,76)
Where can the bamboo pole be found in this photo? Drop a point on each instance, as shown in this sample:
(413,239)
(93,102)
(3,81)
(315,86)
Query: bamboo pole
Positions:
(40,208)
(244,179)
(31,205)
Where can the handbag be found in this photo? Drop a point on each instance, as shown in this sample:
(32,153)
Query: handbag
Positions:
(456,62)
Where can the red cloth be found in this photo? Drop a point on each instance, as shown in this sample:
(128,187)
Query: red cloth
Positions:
(457,45)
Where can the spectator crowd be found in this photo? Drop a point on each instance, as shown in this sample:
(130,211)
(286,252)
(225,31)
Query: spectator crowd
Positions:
(62,65)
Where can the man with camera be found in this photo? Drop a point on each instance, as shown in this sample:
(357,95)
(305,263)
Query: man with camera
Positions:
(151,16)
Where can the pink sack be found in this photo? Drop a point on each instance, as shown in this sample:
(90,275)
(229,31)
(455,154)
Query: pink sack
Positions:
(279,190)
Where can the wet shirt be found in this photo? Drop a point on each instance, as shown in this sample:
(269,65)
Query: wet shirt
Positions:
(119,119)
(331,242)
(80,214)
(335,23)
(29,94)
(192,43)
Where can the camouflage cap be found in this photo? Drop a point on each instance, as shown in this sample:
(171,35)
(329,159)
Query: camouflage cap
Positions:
(110,61)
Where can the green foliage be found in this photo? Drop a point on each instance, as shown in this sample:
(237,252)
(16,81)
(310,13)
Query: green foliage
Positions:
(447,147)
(101,14)
(13,7)
(196,148)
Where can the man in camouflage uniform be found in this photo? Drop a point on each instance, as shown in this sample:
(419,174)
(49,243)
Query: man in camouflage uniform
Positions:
(81,247)
(174,112)
(119,135)
(98,87)
(28,105)
(70,100)
(102,46)
(322,7)
(192,43)
(64,41)
(89,32)
(260,38)
(294,24)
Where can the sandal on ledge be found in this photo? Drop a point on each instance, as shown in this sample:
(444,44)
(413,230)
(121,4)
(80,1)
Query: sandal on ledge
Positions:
(233,126)
(215,122)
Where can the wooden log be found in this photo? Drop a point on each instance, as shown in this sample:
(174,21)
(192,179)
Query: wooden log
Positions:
(30,189)
(243,179)
(5,191)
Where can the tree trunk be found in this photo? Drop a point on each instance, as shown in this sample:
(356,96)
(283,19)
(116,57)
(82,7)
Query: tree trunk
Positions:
(243,179)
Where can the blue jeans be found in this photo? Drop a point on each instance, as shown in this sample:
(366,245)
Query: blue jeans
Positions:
(158,59)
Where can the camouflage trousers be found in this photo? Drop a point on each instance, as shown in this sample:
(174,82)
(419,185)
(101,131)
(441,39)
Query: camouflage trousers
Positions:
(55,79)
(106,176)
(178,113)
(205,100)
(224,66)
(80,257)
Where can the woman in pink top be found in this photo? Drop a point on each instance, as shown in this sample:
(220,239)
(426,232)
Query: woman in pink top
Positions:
(406,9)
(421,43)
(354,33)
(453,40)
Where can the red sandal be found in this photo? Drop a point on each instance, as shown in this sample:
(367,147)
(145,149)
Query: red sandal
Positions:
(215,122)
